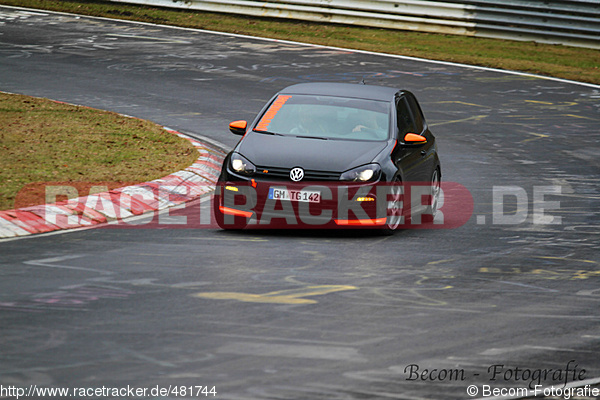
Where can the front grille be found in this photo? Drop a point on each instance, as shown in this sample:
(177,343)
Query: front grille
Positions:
(283,174)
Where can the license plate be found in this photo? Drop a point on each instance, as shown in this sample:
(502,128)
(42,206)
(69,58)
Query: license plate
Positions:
(308,196)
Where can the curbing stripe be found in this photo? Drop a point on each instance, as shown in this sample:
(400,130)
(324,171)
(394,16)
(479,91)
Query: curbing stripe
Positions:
(182,186)
(8,229)
(21,222)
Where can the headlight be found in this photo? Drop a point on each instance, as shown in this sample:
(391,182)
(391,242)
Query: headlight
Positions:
(365,173)
(240,165)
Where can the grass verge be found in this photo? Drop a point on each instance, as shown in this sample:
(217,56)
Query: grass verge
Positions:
(551,60)
(44,141)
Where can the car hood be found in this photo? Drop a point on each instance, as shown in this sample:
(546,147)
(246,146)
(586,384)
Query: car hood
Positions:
(311,154)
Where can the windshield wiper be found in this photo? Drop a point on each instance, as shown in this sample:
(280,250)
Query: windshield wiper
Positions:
(312,137)
(268,133)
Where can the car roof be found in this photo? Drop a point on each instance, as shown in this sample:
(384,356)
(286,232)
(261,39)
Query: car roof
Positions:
(359,91)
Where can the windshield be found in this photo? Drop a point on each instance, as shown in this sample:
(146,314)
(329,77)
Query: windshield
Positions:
(326,117)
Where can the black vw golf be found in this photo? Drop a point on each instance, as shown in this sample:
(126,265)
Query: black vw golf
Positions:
(329,155)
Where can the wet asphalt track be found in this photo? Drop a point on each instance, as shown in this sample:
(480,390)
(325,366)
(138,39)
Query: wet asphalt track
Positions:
(308,315)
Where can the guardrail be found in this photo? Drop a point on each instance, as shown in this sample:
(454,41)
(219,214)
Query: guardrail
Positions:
(567,22)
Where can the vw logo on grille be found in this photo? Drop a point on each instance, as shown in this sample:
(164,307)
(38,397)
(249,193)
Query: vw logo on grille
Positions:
(296,174)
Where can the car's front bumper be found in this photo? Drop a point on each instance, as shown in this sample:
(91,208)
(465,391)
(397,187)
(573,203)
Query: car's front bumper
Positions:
(340,205)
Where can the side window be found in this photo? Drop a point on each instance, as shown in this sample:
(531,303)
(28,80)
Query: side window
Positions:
(419,120)
(404,118)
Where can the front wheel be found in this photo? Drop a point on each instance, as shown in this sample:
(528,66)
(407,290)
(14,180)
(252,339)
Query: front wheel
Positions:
(436,185)
(395,208)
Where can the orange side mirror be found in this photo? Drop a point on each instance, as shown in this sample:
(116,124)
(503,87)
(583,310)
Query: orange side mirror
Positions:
(238,127)
(414,138)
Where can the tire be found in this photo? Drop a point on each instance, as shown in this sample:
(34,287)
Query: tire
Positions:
(395,208)
(436,182)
